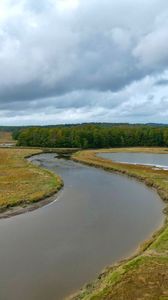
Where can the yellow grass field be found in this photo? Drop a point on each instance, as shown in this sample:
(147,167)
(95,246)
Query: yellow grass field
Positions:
(6,137)
(21,182)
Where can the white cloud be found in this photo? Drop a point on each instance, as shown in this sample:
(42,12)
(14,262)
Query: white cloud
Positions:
(67,5)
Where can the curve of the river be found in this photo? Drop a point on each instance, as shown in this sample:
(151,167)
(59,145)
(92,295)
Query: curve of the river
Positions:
(98,218)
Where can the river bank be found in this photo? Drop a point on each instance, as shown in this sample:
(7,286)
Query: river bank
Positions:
(85,230)
(144,276)
(114,272)
(23,186)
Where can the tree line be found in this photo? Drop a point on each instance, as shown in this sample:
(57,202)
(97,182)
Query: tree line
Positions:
(93,136)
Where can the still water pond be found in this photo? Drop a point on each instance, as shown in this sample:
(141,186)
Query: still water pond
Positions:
(158,160)
(98,218)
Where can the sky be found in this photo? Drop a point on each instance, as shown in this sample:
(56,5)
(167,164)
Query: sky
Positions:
(74,61)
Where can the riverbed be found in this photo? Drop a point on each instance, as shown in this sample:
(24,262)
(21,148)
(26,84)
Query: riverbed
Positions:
(97,219)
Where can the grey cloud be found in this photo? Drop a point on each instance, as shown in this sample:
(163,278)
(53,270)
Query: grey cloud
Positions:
(104,57)
(162,82)
(152,50)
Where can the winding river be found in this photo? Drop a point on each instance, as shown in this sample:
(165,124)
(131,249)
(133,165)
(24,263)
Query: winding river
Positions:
(97,219)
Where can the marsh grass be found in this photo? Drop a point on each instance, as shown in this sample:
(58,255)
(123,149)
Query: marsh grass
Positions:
(21,182)
(144,276)
(6,137)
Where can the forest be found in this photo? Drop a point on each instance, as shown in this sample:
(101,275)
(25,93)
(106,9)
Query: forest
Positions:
(93,136)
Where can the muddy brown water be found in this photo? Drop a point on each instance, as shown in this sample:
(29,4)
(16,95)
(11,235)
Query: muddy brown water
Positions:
(97,219)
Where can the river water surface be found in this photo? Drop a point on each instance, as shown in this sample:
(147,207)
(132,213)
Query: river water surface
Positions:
(98,218)
(151,159)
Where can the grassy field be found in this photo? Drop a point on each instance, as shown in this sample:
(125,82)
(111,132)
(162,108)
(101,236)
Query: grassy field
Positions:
(6,138)
(144,276)
(21,182)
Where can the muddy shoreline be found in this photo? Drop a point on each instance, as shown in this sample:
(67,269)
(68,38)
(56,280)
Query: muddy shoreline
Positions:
(28,207)
(12,211)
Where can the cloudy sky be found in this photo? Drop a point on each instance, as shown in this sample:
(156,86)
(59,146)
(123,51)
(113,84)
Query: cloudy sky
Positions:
(71,61)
